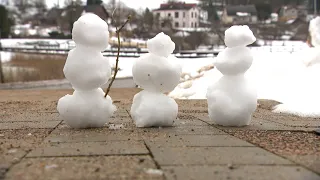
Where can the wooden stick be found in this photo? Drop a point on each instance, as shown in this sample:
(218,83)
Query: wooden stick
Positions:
(118,54)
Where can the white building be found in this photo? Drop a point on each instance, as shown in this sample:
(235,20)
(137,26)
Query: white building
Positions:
(181,15)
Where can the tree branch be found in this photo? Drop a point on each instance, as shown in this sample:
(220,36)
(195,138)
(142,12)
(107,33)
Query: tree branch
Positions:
(118,54)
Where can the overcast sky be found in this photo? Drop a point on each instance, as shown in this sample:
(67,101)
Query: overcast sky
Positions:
(136,4)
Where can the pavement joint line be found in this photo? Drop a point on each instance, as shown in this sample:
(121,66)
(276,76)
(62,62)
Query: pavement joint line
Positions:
(305,126)
(90,141)
(91,155)
(233,164)
(154,160)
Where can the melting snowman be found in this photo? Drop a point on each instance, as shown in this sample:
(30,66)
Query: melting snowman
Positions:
(87,70)
(232,99)
(157,72)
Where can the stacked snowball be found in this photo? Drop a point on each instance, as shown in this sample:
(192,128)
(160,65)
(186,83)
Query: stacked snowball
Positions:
(157,72)
(87,70)
(314,30)
(232,99)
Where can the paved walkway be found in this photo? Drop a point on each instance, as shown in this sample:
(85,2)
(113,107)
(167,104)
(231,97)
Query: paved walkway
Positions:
(36,144)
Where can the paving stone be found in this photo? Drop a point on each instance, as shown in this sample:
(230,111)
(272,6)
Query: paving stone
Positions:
(121,113)
(215,156)
(176,130)
(90,148)
(91,135)
(299,123)
(98,167)
(30,116)
(310,161)
(196,141)
(189,122)
(258,124)
(239,173)
(29,125)
(193,110)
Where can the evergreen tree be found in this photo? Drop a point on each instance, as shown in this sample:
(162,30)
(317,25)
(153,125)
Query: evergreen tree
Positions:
(208,5)
(5,23)
(94,2)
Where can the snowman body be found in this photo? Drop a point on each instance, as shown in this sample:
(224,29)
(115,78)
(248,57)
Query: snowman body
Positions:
(87,70)
(156,72)
(233,99)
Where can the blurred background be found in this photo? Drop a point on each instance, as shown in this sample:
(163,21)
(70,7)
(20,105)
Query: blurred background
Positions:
(36,34)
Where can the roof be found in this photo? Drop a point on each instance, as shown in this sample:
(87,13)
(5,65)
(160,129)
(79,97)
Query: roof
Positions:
(98,10)
(233,10)
(175,6)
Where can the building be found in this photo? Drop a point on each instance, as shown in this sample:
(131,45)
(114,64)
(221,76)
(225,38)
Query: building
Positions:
(180,15)
(287,13)
(241,14)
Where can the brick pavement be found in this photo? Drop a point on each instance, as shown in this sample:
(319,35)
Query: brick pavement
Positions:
(37,144)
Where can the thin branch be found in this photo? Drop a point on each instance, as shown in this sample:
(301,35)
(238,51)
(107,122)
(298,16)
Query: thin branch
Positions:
(118,54)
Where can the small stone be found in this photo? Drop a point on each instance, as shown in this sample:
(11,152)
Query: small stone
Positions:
(141,160)
(97,170)
(317,132)
(192,129)
(51,166)
(11,151)
(1,135)
(29,134)
(230,166)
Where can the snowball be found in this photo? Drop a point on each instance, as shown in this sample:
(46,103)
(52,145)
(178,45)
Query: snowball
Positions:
(314,30)
(86,109)
(234,61)
(86,70)
(161,45)
(91,31)
(231,101)
(239,36)
(153,109)
(155,73)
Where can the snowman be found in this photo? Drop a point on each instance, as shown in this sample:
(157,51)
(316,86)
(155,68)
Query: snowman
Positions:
(232,99)
(157,72)
(87,69)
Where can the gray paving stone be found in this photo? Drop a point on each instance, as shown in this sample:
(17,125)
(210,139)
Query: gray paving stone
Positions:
(91,135)
(29,125)
(258,124)
(196,141)
(310,161)
(215,156)
(94,167)
(90,148)
(299,123)
(31,116)
(176,130)
(189,122)
(239,173)
(193,110)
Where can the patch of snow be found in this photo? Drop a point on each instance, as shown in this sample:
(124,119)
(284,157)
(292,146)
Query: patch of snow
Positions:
(154,172)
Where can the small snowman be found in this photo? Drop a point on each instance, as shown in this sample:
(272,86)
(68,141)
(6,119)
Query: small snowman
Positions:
(87,70)
(232,99)
(157,72)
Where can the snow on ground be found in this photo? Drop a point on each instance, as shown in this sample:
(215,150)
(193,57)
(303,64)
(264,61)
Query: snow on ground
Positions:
(5,56)
(284,77)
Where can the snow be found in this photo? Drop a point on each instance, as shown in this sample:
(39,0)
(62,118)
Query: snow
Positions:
(314,30)
(233,38)
(87,70)
(156,72)
(232,99)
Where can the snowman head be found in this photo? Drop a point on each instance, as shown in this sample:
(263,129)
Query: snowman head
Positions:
(238,36)
(314,31)
(161,45)
(91,31)
(156,73)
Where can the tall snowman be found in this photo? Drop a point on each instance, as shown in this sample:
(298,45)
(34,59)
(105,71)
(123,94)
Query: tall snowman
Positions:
(232,99)
(157,72)
(87,69)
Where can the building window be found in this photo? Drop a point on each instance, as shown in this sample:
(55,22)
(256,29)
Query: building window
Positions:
(158,14)
(195,15)
(184,14)
(183,24)
(191,14)
(162,24)
(176,24)
(169,14)
(176,14)
(195,24)
(191,24)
